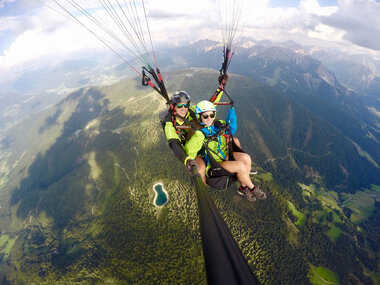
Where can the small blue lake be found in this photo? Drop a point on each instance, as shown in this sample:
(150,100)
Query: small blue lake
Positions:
(161,197)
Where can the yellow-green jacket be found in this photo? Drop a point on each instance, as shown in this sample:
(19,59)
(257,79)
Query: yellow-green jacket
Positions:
(178,139)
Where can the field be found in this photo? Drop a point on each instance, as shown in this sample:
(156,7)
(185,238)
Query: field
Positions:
(300,217)
(6,244)
(361,204)
(321,276)
(334,232)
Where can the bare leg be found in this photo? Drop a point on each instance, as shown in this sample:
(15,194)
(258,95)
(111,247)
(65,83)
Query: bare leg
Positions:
(240,169)
(201,166)
(245,158)
(236,140)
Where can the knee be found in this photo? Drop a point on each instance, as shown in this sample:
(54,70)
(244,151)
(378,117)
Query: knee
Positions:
(241,166)
(245,158)
(248,158)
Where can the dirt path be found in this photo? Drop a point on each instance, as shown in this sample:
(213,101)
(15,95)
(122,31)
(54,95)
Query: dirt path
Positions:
(125,172)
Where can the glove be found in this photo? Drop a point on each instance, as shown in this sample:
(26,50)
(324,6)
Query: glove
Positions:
(190,163)
(223,79)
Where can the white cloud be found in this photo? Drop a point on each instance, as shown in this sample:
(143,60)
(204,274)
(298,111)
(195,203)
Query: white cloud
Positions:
(352,25)
(313,7)
(300,23)
(41,34)
(360,21)
(165,8)
(35,45)
(181,21)
(7,23)
(45,35)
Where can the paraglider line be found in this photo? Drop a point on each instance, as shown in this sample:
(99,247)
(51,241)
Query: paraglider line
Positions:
(98,37)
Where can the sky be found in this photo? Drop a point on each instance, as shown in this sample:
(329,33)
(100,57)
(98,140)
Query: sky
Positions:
(32,34)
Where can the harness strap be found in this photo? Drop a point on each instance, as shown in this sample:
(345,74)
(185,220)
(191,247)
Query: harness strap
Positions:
(218,136)
(216,169)
(174,121)
(216,94)
(223,157)
(190,123)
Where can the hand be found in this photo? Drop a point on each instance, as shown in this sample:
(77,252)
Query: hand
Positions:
(223,79)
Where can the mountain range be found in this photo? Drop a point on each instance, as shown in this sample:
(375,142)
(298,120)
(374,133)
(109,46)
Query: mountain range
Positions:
(306,81)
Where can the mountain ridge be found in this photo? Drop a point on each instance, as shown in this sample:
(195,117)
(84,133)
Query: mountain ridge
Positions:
(306,81)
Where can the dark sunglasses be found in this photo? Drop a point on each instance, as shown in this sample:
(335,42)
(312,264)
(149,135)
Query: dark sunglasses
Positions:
(205,117)
(183,105)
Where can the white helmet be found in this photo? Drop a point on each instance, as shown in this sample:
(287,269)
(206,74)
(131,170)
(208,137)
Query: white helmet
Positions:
(204,106)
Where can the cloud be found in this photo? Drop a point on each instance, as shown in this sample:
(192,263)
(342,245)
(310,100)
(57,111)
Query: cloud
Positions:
(43,37)
(39,34)
(181,21)
(359,20)
(7,24)
(178,8)
(16,7)
(300,23)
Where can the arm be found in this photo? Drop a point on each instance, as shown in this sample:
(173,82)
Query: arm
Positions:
(175,142)
(215,98)
(194,144)
(232,120)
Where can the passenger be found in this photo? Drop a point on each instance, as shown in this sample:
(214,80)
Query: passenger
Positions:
(215,135)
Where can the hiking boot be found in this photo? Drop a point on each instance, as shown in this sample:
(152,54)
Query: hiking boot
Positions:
(253,171)
(246,193)
(258,193)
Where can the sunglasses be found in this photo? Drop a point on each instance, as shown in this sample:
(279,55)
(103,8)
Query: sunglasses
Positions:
(183,105)
(205,117)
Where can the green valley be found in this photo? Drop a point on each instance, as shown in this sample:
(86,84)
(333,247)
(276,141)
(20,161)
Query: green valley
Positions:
(77,199)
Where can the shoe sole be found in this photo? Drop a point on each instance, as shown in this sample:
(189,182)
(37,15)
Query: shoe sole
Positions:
(246,198)
(263,197)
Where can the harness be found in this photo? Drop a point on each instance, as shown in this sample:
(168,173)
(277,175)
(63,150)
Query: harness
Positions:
(192,126)
(217,137)
(218,177)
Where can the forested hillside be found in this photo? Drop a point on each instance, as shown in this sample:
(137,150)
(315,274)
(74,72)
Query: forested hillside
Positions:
(77,199)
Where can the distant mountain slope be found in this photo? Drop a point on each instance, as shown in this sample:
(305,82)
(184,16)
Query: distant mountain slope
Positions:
(279,131)
(295,70)
(15,106)
(303,79)
(359,72)
(76,192)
